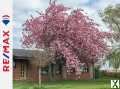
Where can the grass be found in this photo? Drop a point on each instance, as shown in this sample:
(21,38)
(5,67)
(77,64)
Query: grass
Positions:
(68,84)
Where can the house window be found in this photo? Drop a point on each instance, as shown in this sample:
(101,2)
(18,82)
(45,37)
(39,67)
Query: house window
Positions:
(58,69)
(84,68)
(72,70)
(44,71)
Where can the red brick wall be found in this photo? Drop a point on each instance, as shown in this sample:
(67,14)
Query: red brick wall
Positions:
(32,73)
(45,78)
(111,74)
(16,71)
(85,75)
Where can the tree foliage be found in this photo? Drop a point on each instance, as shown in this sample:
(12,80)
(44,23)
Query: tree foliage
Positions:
(114,58)
(111,16)
(69,32)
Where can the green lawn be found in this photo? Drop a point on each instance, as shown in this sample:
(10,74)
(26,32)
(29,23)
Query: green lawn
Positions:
(78,84)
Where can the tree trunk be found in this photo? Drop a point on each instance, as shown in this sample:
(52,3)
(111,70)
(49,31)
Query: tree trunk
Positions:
(40,76)
(54,73)
(50,72)
(64,73)
(115,72)
(92,71)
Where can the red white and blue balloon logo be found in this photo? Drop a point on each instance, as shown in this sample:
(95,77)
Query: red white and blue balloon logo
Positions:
(5,19)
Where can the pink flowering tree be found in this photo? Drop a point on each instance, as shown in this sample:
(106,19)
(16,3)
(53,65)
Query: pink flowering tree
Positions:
(69,32)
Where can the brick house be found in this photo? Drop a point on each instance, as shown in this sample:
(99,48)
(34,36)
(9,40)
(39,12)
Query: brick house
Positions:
(23,69)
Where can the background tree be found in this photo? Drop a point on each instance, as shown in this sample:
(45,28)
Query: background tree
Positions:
(69,32)
(114,59)
(111,16)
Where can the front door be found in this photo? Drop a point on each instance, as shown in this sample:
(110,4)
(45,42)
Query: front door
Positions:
(23,71)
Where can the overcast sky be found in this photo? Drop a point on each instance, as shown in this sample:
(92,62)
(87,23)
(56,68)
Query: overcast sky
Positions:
(24,8)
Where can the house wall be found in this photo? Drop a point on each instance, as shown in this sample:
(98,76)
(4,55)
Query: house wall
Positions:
(85,76)
(16,71)
(82,76)
(20,69)
(32,73)
(46,77)
(73,76)
(67,76)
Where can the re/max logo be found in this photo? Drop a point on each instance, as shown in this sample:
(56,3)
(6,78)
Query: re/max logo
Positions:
(6,48)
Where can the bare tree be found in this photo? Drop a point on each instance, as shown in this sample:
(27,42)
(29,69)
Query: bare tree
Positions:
(41,59)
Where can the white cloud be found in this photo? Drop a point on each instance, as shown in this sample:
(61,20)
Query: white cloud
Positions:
(22,11)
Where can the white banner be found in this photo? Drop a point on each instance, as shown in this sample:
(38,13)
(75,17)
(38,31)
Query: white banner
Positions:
(6,44)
